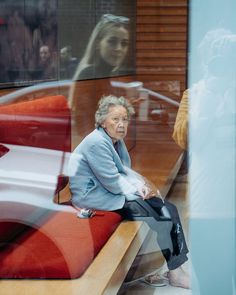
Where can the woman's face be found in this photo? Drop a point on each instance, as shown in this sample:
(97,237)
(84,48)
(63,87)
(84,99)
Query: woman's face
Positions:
(114,46)
(116,123)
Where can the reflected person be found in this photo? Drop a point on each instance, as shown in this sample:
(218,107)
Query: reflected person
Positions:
(68,63)
(46,64)
(106,50)
(102,179)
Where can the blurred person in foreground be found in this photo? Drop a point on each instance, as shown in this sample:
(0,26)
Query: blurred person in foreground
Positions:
(205,128)
(212,130)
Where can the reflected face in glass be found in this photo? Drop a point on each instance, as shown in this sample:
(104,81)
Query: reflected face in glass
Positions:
(114,46)
(64,54)
(116,123)
(44,53)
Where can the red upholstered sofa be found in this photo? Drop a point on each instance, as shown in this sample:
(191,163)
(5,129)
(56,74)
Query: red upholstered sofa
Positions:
(38,238)
(61,247)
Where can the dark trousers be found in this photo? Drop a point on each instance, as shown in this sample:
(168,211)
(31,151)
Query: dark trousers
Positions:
(170,236)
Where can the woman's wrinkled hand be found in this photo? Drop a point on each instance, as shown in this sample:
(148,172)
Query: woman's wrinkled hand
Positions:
(146,192)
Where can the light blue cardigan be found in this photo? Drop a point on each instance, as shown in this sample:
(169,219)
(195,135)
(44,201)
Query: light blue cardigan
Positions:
(100,178)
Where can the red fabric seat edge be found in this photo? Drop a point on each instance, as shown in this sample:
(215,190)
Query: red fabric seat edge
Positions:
(43,122)
(62,248)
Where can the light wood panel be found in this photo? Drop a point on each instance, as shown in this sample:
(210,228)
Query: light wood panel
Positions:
(149,28)
(160,62)
(160,54)
(161,10)
(164,3)
(160,19)
(161,43)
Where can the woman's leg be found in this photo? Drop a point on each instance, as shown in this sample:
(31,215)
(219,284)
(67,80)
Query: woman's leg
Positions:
(176,254)
(169,234)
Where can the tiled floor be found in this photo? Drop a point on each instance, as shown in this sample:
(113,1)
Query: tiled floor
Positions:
(149,261)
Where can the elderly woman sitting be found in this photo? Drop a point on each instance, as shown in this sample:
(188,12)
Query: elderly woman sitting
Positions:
(102,179)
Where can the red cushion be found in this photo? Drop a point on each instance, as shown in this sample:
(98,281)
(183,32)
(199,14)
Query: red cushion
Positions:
(15,218)
(43,122)
(62,248)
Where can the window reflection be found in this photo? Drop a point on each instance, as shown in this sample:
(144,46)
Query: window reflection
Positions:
(64,29)
(27,28)
(106,50)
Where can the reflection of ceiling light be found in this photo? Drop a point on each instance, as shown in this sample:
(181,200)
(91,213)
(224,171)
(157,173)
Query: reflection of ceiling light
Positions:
(157,112)
(135,84)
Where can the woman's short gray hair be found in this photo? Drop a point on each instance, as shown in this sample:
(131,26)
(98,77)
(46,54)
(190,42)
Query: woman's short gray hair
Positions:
(108,101)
